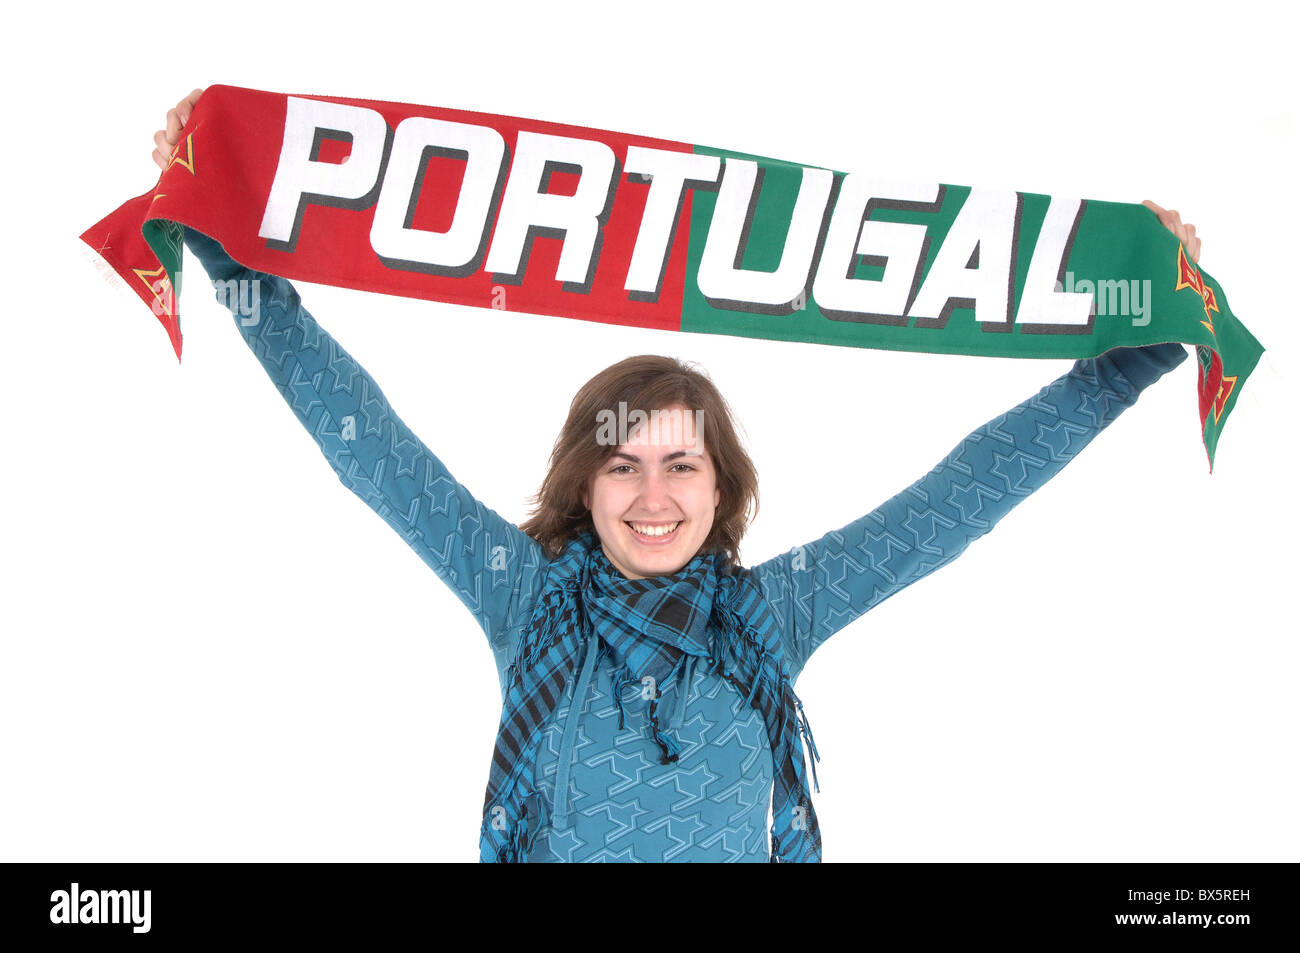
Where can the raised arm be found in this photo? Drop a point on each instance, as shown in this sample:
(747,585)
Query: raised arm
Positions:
(819,588)
(486,560)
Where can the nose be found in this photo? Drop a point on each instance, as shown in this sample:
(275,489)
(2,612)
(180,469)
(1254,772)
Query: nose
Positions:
(654,491)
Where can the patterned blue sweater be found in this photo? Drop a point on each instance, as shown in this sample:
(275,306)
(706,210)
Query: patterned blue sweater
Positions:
(713,803)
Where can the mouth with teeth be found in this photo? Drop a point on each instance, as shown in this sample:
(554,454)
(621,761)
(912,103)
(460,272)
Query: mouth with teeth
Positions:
(654,534)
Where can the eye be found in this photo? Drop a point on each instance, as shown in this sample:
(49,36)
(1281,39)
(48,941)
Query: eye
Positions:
(686,465)
(621,466)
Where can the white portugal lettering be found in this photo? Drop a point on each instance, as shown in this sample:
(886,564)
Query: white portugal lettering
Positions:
(391,236)
(300,177)
(670,174)
(849,236)
(1040,302)
(721,279)
(973,268)
(525,206)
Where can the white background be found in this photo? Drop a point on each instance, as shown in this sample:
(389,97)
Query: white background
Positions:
(213,651)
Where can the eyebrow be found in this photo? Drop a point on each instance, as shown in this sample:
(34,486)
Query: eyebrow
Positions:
(666,457)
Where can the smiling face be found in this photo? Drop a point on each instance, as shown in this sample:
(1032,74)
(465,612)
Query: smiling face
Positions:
(653,501)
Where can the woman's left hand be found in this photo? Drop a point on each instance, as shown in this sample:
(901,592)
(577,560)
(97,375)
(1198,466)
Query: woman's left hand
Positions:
(1185,233)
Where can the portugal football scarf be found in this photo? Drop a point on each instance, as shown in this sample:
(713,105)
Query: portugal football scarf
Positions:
(538,217)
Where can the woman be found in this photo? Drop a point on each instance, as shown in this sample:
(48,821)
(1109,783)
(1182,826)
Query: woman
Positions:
(647,678)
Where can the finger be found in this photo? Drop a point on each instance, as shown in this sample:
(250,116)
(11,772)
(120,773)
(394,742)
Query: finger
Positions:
(160,140)
(160,160)
(1196,250)
(1166,218)
(186,106)
(173,126)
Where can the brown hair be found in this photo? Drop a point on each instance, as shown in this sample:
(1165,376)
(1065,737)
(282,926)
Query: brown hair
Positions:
(647,382)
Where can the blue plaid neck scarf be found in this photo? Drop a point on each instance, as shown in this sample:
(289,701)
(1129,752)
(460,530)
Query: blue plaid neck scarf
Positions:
(654,629)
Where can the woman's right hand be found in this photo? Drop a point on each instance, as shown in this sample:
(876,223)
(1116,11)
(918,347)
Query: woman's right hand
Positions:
(165,139)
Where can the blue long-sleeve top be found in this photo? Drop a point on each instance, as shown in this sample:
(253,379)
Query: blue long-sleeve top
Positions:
(622,803)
